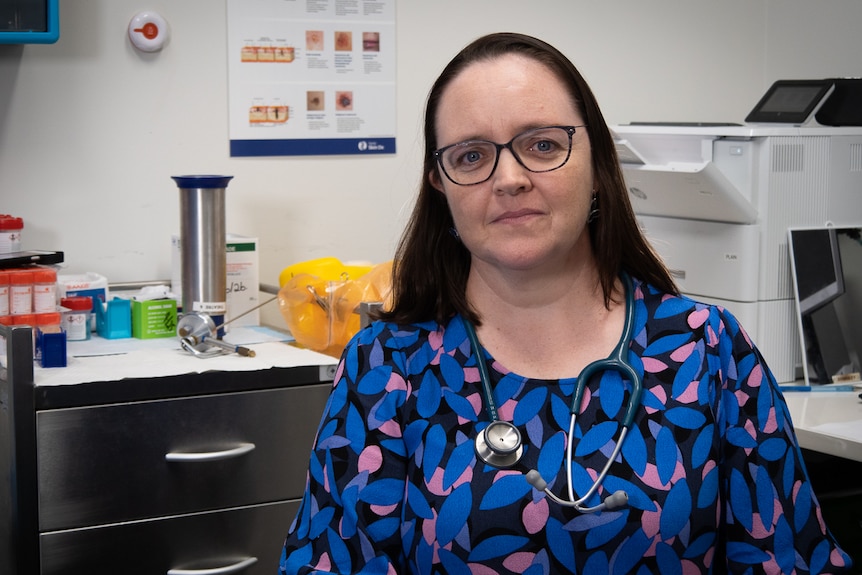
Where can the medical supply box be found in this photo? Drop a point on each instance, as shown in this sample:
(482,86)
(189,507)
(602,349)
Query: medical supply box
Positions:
(154,318)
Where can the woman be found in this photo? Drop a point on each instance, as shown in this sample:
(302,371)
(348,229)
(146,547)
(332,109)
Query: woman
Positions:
(523,235)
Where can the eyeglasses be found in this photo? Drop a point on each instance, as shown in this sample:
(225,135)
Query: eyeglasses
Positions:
(538,150)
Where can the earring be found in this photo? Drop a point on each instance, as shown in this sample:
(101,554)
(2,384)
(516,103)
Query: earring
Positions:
(594,208)
(454,233)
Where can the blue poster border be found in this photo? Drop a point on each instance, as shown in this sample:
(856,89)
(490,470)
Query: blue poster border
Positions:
(312,147)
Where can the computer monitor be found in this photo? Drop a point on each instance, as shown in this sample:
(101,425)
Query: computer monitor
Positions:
(29,21)
(817,264)
(826,267)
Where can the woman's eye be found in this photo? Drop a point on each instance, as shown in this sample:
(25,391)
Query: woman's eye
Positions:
(544,146)
(468,158)
(472,157)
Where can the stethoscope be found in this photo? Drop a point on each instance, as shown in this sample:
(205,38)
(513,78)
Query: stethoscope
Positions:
(500,444)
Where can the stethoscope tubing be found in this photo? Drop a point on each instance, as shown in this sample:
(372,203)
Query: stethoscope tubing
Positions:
(484,377)
(616,361)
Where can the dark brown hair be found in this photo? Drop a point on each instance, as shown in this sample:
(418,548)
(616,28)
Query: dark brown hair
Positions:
(431,265)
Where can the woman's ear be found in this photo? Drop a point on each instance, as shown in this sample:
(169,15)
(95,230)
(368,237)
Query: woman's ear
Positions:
(434,180)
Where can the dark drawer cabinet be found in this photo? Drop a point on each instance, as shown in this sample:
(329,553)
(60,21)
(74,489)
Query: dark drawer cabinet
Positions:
(124,462)
(200,472)
(245,540)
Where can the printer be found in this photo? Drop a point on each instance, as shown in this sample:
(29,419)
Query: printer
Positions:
(716,201)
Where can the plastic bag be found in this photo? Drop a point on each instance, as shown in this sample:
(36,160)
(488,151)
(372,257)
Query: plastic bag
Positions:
(319,299)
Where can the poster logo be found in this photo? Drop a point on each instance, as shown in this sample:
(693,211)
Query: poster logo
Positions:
(370,146)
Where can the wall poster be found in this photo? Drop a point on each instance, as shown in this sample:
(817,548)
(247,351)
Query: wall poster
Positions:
(311,77)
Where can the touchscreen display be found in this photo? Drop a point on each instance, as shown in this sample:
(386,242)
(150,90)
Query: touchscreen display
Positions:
(791,99)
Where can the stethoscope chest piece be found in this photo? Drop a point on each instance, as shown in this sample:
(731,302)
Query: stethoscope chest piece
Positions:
(499,444)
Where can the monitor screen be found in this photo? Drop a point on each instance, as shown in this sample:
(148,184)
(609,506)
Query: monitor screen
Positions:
(826,268)
(817,264)
(29,21)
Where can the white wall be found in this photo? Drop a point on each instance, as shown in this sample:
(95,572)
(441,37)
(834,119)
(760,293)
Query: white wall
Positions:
(91,130)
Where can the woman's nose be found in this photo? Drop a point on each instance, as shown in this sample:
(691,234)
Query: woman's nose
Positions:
(510,177)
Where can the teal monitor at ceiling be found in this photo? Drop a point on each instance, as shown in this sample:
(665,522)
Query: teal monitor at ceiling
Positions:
(29,21)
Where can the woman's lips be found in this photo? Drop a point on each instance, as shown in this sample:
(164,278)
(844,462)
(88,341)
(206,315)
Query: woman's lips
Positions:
(515,216)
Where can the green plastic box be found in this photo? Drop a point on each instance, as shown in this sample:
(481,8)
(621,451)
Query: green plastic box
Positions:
(154,318)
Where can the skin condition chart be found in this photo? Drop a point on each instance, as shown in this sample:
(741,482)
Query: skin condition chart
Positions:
(311,77)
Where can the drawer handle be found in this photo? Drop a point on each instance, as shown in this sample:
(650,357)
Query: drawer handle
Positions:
(240,449)
(235,568)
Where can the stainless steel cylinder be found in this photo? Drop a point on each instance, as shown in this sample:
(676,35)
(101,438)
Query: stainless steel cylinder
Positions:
(202,245)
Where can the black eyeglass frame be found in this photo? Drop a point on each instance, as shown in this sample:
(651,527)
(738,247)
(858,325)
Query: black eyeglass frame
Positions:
(570,130)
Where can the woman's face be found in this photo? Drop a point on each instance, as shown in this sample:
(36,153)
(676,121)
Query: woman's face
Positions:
(517,219)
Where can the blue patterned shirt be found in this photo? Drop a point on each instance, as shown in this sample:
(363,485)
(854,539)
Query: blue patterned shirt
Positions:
(713,473)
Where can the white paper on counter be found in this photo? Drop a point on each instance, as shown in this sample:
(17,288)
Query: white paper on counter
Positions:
(109,360)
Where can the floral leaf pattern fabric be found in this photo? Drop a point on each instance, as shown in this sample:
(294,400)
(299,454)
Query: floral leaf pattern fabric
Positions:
(715,480)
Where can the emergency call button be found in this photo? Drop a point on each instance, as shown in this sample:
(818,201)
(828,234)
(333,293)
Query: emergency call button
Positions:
(148,31)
